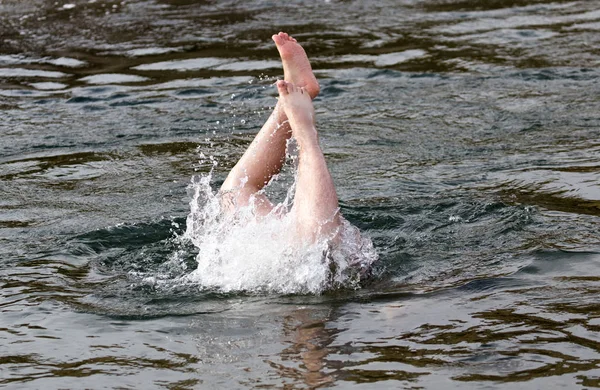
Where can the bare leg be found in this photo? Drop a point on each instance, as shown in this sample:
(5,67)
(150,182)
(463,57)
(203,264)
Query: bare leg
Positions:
(263,159)
(265,156)
(315,202)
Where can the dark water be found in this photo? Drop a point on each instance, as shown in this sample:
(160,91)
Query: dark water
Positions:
(463,137)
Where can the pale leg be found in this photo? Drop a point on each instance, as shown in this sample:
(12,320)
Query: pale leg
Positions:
(265,156)
(263,159)
(315,202)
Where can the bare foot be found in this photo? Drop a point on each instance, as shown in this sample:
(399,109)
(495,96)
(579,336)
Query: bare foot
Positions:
(296,67)
(297,105)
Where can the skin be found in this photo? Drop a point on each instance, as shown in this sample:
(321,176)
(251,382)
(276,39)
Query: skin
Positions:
(315,201)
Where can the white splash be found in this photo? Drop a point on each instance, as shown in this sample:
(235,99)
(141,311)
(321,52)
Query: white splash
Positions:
(243,253)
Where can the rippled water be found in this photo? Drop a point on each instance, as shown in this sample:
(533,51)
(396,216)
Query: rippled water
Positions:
(463,137)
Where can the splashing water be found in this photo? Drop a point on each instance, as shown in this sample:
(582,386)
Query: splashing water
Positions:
(243,253)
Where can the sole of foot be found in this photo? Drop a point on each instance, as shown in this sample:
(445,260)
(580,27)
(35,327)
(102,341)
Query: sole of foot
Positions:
(296,66)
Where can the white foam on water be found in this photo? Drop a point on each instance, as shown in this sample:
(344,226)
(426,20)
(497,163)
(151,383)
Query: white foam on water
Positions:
(240,252)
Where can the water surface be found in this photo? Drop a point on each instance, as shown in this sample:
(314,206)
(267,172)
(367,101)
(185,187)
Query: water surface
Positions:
(463,137)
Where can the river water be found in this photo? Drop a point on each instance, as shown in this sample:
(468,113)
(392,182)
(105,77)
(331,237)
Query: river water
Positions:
(463,137)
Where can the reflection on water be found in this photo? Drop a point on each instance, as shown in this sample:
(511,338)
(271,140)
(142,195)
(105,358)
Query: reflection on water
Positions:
(463,139)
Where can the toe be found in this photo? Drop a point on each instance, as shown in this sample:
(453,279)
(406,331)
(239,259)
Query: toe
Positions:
(282,87)
(278,40)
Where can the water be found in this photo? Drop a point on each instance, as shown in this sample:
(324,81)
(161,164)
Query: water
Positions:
(238,252)
(463,137)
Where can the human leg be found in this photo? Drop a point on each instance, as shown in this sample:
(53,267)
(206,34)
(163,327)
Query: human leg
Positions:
(266,154)
(315,202)
(263,159)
